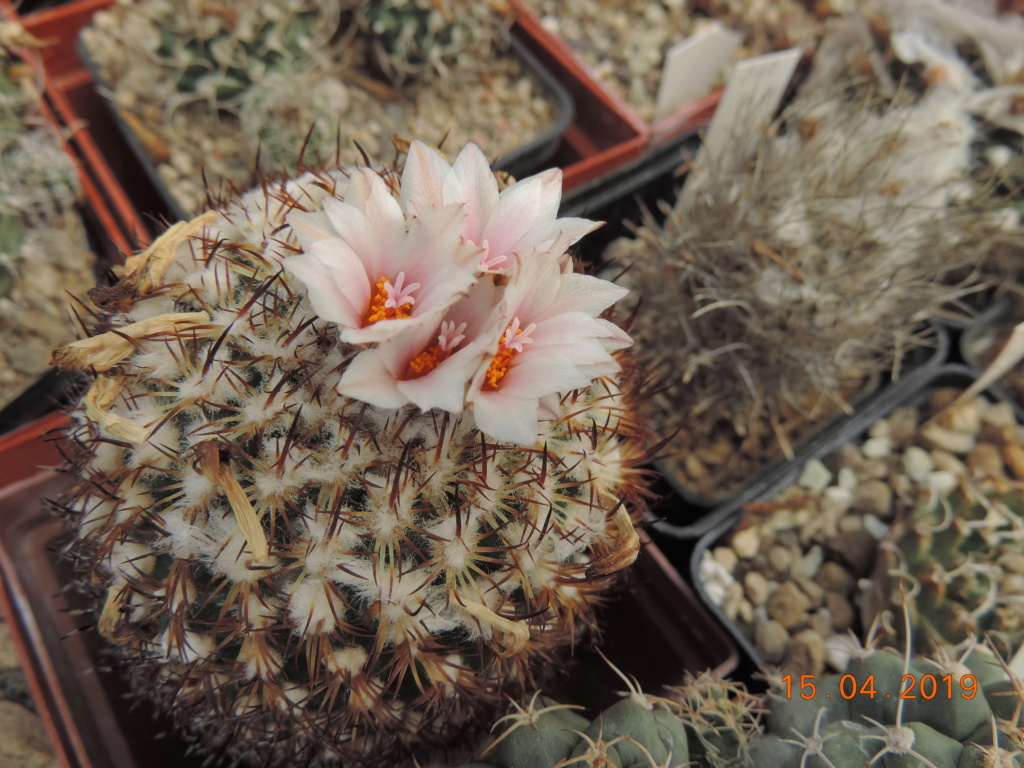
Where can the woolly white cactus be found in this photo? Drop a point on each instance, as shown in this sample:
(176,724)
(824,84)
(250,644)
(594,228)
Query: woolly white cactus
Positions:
(355,460)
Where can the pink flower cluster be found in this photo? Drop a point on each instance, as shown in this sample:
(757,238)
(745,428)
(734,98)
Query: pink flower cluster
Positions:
(459,294)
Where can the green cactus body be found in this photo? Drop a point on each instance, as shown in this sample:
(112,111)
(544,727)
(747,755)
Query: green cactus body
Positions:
(332,579)
(537,735)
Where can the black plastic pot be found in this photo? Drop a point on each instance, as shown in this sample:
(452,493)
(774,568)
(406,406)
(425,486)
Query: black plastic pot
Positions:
(913,393)
(993,326)
(520,162)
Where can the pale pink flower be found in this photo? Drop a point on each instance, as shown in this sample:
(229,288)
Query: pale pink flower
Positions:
(551,341)
(519,219)
(373,271)
(430,365)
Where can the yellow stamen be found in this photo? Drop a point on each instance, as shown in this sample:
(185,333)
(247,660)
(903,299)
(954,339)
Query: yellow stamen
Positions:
(377,311)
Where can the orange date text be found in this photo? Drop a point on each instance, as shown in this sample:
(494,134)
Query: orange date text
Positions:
(911,687)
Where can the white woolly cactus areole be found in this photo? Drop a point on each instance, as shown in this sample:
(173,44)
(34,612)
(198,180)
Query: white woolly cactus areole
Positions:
(356,458)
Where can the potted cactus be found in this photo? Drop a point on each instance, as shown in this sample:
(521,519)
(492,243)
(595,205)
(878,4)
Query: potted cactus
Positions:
(358,458)
(44,246)
(205,94)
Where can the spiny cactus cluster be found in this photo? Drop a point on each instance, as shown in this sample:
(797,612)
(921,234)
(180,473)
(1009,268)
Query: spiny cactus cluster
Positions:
(43,244)
(707,721)
(953,555)
(306,82)
(295,573)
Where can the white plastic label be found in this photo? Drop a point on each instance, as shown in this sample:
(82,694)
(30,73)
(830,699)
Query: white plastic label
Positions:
(750,100)
(692,65)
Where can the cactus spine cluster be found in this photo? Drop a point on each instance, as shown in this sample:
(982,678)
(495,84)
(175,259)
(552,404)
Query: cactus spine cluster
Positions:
(298,575)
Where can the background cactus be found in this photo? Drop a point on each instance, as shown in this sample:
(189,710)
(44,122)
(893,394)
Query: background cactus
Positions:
(219,86)
(301,576)
(43,244)
(953,555)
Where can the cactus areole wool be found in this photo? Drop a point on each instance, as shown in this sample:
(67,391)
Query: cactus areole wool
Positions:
(357,456)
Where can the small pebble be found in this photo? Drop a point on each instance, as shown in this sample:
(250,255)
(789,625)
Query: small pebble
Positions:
(965,418)
(814,591)
(873,469)
(806,653)
(1012,562)
(715,578)
(879,429)
(917,463)
(875,527)
(856,549)
(821,623)
(808,565)
(815,476)
(903,426)
(937,436)
(941,482)
(780,560)
(726,558)
(877,447)
(757,587)
(947,462)
(986,461)
(833,577)
(788,605)
(840,610)
(873,497)
(837,500)
(851,523)
(746,543)
(847,479)
(771,641)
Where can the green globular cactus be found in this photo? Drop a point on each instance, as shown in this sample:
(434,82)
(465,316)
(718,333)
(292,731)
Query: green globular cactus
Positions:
(409,36)
(301,575)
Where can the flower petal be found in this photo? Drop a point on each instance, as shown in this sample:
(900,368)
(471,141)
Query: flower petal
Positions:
(505,418)
(423,176)
(367,379)
(472,183)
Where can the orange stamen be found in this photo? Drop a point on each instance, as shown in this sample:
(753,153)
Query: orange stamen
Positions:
(377,310)
(426,361)
(500,364)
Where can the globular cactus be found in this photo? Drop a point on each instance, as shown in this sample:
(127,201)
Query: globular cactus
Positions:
(952,556)
(411,36)
(954,562)
(357,459)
